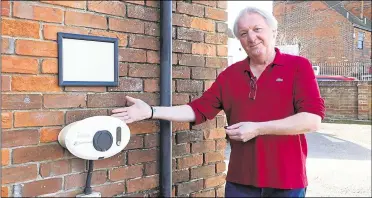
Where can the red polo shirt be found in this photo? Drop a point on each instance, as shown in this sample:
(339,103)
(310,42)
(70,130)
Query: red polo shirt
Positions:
(287,86)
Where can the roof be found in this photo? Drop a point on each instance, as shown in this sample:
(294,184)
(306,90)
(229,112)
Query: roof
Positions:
(357,22)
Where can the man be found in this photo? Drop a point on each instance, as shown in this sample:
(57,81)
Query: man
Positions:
(270,99)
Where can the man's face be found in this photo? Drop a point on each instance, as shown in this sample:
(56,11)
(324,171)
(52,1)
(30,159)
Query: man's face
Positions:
(255,36)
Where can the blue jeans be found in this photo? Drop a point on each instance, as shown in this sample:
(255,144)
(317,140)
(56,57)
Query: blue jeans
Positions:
(238,190)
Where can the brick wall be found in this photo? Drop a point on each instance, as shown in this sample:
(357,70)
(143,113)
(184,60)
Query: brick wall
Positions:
(323,33)
(347,100)
(35,108)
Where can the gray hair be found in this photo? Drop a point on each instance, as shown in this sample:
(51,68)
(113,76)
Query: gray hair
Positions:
(269,18)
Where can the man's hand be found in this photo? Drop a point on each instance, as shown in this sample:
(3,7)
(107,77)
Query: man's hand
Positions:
(243,131)
(138,111)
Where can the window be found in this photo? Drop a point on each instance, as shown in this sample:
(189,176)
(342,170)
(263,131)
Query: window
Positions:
(360,40)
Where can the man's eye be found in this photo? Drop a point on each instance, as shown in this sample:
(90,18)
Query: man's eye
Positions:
(257,29)
(243,34)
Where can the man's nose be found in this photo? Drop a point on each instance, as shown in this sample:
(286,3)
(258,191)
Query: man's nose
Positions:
(251,37)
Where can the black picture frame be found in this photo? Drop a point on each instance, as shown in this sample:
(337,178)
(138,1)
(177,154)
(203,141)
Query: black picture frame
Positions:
(64,82)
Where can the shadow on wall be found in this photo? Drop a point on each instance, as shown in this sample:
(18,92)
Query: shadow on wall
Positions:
(327,146)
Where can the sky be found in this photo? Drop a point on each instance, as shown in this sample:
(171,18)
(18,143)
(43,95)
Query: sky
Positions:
(234,7)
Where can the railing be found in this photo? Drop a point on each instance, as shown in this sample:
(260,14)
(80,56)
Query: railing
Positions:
(360,71)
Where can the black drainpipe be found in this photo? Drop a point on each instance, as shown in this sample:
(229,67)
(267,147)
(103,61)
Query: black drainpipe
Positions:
(166,97)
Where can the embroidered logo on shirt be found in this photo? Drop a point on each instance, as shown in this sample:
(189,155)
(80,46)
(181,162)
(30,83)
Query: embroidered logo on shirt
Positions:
(279,80)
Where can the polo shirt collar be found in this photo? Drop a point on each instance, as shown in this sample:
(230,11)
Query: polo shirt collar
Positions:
(278,60)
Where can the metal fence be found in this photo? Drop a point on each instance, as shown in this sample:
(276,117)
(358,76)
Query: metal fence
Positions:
(360,71)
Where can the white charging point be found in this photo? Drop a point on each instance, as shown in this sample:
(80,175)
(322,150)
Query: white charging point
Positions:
(94,138)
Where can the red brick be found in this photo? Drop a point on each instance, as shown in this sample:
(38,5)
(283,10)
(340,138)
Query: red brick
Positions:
(5,11)
(152,29)
(127,25)
(190,34)
(144,70)
(204,49)
(181,46)
(5,157)
(202,171)
(201,147)
(191,60)
(49,66)
(128,84)
(21,101)
(180,98)
(203,24)
(38,118)
(49,134)
(220,167)
(216,38)
(110,190)
(207,3)
(76,115)
(23,137)
(86,89)
(220,192)
(180,150)
(189,86)
(19,28)
(153,57)
(222,50)
(181,72)
(108,7)
(189,187)
(203,73)
(221,144)
(140,184)
(123,38)
(36,48)
(42,187)
(214,133)
(214,156)
(144,42)
(18,173)
(222,27)
(155,4)
(135,142)
(209,193)
(106,100)
(139,2)
(132,55)
(7,45)
(16,64)
(180,176)
(152,168)
(216,62)
(180,126)
(151,140)
(55,168)
(5,83)
(208,84)
(72,4)
(144,13)
(38,153)
(127,172)
(139,156)
(181,20)
(190,9)
(214,181)
(39,13)
(6,120)
(75,100)
(193,160)
(50,30)
(216,14)
(189,136)
(114,161)
(123,69)
(151,85)
(78,180)
(4,191)
(85,20)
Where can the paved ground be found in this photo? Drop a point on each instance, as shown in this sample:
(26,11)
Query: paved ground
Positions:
(339,161)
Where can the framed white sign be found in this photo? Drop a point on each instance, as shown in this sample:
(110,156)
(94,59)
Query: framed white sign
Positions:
(87,60)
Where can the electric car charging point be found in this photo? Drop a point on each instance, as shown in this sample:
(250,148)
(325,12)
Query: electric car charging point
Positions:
(94,138)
